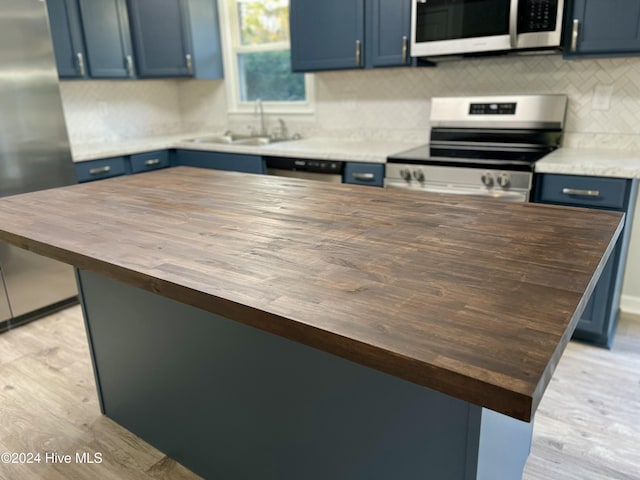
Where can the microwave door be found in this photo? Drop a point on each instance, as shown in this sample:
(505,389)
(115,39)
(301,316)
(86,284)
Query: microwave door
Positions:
(450,27)
(538,24)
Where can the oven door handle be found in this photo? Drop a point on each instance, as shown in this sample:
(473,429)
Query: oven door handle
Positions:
(513,23)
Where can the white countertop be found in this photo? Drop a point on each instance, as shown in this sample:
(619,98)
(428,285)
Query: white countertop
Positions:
(569,161)
(375,151)
(591,162)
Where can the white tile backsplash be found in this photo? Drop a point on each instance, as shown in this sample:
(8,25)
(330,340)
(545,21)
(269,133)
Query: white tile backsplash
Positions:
(398,99)
(109,111)
(384,103)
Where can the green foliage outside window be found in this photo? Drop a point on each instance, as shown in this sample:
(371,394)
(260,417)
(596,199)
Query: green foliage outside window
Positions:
(267,76)
(264,21)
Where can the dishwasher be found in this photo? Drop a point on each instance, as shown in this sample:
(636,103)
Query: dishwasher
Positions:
(309,169)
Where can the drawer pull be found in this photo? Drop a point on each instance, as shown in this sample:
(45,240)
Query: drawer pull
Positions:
(99,170)
(364,176)
(586,193)
(151,162)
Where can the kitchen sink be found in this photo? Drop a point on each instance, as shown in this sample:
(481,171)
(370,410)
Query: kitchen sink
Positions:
(219,139)
(237,139)
(242,139)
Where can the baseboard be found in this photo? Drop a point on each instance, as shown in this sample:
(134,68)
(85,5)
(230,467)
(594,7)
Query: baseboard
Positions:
(630,304)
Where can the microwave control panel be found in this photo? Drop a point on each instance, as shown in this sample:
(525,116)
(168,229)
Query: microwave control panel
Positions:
(537,16)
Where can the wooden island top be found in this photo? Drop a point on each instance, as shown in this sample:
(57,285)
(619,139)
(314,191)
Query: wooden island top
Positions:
(470,297)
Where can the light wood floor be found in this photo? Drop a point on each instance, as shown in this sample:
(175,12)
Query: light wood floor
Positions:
(587,426)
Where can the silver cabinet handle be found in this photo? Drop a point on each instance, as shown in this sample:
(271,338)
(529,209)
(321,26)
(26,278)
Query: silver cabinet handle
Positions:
(405,49)
(586,193)
(358,52)
(513,24)
(363,176)
(129,61)
(189,63)
(99,170)
(81,68)
(574,34)
(151,162)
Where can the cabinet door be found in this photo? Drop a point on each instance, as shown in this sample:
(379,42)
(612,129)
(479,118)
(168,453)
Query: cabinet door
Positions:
(597,315)
(161,38)
(66,34)
(326,35)
(604,26)
(221,161)
(388,33)
(107,38)
(599,318)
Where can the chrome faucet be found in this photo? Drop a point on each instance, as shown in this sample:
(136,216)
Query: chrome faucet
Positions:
(259,110)
(284,132)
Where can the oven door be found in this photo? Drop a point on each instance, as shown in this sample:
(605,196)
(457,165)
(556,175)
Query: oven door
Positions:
(504,195)
(454,27)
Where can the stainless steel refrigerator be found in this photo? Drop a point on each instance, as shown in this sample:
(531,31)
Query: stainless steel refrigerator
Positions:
(34,154)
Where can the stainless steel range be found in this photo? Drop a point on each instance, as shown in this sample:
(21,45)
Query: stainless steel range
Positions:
(482,146)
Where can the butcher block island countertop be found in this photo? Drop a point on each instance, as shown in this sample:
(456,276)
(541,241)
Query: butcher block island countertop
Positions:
(476,299)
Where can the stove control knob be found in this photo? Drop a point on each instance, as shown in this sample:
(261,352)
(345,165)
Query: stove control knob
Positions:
(405,173)
(418,175)
(487,179)
(504,180)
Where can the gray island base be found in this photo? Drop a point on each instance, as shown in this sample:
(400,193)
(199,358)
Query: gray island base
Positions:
(230,401)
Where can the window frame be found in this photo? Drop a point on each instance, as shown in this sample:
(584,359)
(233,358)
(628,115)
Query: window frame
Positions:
(231,47)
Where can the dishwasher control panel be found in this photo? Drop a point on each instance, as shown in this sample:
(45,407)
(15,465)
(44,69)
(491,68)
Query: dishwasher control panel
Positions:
(306,165)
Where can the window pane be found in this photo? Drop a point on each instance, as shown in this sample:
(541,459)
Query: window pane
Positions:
(267,76)
(265,21)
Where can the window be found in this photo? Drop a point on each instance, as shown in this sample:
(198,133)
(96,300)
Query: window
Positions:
(257,58)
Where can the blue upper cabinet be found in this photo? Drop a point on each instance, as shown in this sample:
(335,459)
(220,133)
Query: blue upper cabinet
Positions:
(602,28)
(107,38)
(341,34)
(388,33)
(205,39)
(176,38)
(161,38)
(68,43)
(327,34)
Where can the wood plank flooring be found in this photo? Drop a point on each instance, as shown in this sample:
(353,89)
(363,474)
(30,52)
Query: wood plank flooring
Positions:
(587,426)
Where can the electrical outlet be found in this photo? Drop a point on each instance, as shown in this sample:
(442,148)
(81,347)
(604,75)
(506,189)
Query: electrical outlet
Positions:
(601,99)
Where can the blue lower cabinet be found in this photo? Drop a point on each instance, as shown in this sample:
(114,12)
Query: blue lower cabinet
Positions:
(371,174)
(598,321)
(221,161)
(100,169)
(144,162)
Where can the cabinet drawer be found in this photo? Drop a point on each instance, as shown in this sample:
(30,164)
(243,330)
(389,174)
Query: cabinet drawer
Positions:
(143,162)
(99,169)
(364,174)
(583,191)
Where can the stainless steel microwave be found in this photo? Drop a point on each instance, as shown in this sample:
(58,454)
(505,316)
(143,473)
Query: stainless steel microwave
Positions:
(454,27)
